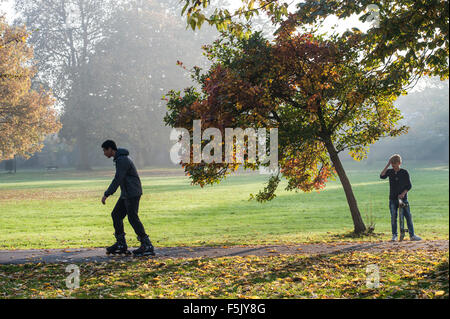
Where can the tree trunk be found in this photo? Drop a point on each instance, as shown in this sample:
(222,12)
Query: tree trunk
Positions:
(358,223)
(83,152)
(140,158)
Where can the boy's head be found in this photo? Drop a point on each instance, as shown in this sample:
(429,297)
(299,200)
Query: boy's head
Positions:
(109,148)
(396,161)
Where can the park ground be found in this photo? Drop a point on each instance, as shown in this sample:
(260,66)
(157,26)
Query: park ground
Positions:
(402,274)
(45,210)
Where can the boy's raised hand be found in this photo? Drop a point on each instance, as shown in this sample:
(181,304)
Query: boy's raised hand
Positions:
(383,172)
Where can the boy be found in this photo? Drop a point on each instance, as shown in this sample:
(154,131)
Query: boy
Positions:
(399,184)
(128,204)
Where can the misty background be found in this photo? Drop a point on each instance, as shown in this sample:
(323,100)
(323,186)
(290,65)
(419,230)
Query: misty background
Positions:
(110,62)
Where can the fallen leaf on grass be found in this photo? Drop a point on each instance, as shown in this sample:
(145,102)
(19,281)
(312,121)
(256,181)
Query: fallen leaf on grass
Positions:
(121,284)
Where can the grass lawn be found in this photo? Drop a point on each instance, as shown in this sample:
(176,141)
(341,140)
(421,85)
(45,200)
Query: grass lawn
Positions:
(62,209)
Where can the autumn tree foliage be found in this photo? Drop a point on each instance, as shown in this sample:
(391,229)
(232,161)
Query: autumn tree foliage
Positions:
(315,91)
(26,115)
(410,38)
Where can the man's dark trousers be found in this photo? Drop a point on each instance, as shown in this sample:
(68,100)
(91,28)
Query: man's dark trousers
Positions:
(129,207)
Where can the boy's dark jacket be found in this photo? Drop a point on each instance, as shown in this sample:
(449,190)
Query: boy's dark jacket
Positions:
(398,182)
(126,177)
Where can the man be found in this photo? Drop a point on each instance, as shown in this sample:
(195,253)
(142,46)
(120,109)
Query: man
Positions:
(128,204)
(399,184)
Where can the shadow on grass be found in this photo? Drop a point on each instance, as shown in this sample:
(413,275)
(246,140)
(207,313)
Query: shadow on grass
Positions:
(353,235)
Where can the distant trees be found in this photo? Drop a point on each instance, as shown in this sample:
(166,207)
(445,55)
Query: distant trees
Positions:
(65,33)
(26,115)
(132,68)
(426,112)
(109,63)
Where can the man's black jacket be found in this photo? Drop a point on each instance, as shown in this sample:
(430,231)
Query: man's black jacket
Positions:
(126,177)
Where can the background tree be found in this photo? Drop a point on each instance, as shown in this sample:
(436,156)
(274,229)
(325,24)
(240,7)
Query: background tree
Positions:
(65,33)
(26,115)
(132,67)
(110,81)
(315,91)
(426,112)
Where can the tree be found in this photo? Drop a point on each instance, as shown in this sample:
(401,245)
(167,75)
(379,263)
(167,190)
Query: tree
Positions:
(111,70)
(133,65)
(315,91)
(410,39)
(198,12)
(26,115)
(65,33)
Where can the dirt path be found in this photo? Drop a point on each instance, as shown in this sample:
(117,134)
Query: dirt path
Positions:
(98,254)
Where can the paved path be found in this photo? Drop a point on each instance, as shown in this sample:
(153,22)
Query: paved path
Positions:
(74,255)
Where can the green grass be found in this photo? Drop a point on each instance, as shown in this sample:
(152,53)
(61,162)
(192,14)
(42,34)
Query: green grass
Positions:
(62,209)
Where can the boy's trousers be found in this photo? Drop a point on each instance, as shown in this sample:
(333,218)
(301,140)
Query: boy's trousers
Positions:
(394,208)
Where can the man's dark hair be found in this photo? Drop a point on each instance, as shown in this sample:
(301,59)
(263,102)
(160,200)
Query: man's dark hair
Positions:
(109,144)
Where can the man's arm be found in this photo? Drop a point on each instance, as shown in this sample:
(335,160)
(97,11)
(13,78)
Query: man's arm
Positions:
(383,172)
(121,171)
